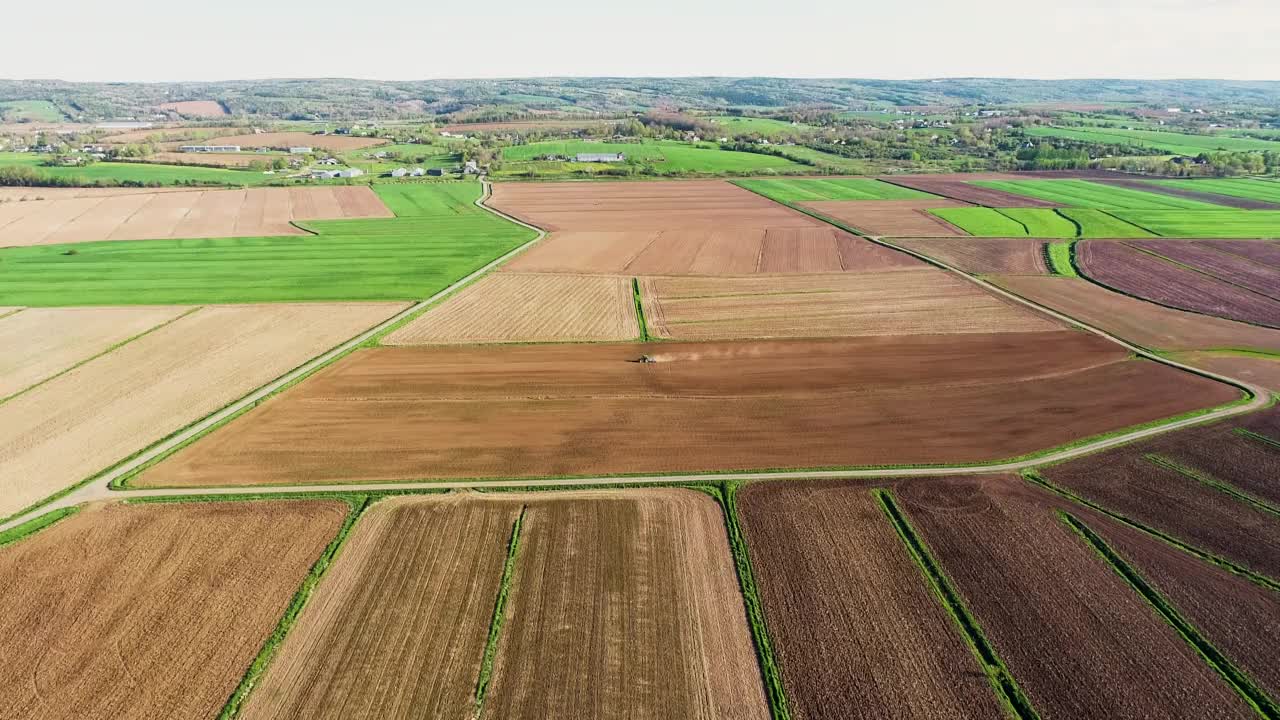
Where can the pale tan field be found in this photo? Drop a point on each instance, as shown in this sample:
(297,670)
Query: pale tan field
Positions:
(335,143)
(42,342)
(526,307)
(105,410)
(196,108)
(169,134)
(150,611)
(232,160)
(26,194)
(925,301)
(193,214)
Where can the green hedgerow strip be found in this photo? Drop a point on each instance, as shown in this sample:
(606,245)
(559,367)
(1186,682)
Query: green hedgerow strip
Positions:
(770,669)
(1002,681)
(635,297)
(269,649)
(499,613)
(1237,678)
(36,524)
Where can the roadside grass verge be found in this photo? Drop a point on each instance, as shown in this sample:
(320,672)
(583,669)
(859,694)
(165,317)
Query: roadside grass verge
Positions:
(358,504)
(1237,678)
(1002,681)
(36,524)
(499,614)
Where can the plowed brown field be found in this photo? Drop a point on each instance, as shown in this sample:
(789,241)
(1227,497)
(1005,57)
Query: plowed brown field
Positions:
(589,409)
(983,256)
(42,342)
(1144,323)
(79,423)
(1099,650)
(963,190)
(625,605)
(203,213)
(149,611)
(523,307)
(897,218)
(1264,371)
(905,302)
(398,627)
(680,228)
(857,629)
(333,143)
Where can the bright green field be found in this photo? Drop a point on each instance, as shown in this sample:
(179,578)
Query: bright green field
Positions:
(1235,187)
(1082,193)
(33,110)
(1038,222)
(821,159)
(1207,224)
(809,190)
(661,156)
(1060,259)
(1181,143)
(139,172)
(441,238)
(764,127)
(435,156)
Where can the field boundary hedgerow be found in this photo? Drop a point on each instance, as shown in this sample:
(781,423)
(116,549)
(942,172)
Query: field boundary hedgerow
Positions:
(770,667)
(1026,230)
(1210,481)
(1237,678)
(95,356)
(640,319)
(36,524)
(357,505)
(1256,578)
(1073,221)
(499,614)
(1002,681)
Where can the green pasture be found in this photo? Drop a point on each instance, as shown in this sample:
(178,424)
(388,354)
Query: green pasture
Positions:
(1265,190)
(1174,142)
(30,110)
(1039,222)
(661,157)
(1086,194)
(1101,224)
(825,160)
(1060,259)
(1207,223)
(144,173)
(810,190)
(765,127)
(438,237)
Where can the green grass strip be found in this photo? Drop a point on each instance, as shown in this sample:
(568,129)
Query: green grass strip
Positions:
(499,612)
(36,524)
(1255,578)
(1061,258)
(998,674)
(1237,678)
(268,652)
(1259,437)
(635,297)
(770,668)
(1213,482)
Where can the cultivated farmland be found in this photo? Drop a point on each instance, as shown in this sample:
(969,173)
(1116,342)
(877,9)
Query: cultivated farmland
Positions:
(857,629)
(912,301)
(1233,187)
(40,343)
(1039,222)
(804,190)
(1086,194)
(1237,270)
(1262,370)
(285,140)
(672,640)
(81,422)
(198,214)
(1024,573)
(1133,272)
(524,307)
(983,256)
(1138,321)
(1206,223)
(1266,253)
(196,108)
(152,610)
(961,187)
(901,218)
(545,410)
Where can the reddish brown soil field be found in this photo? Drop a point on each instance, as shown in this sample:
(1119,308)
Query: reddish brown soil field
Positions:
(857,630)
(965,191)
(578,410)
(1125,482)
(398,626)
(1100,651)
(1220,454)
(984,256)
(196,108)
(153,610)
(284,140)
(891,218)
(1144,323)
(1239,617)
(1258,277)
(1260,370)
(625,604)
(680,228)
(1259,251)
(917,301)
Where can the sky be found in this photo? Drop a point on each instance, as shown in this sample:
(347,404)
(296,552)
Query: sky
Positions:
(153,41)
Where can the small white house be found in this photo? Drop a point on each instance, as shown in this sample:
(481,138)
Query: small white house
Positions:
(471,168)
(299,150)
(210,148)
(599,157)
(350,173)
(399,173)
(417,172)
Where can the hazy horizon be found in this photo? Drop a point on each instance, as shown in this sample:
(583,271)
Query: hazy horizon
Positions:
(931,39)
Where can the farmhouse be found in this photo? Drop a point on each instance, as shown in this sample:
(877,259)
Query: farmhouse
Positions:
(600,157)
(399,173)
(417,172)
(299,150)
(210,148)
